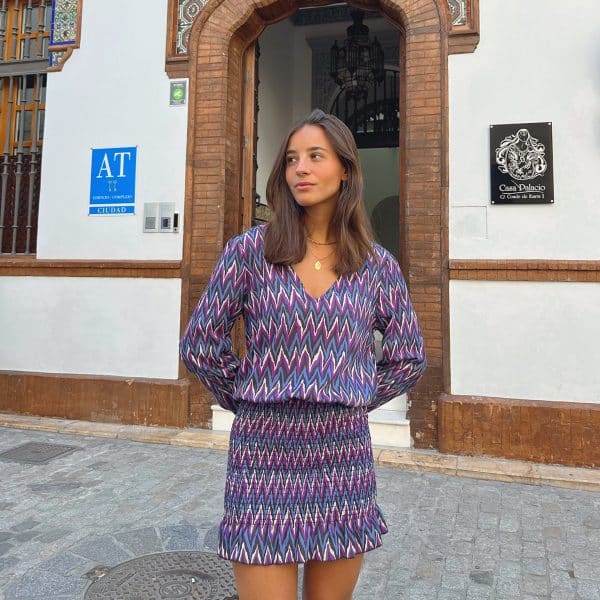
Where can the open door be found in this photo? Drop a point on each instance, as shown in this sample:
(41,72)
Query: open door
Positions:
(250,135)
(249,162)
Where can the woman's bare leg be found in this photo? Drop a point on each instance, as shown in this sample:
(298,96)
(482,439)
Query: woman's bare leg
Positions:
(258,582)
(334,580)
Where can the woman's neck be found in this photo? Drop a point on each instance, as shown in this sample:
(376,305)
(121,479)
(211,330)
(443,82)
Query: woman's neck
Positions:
(319,228)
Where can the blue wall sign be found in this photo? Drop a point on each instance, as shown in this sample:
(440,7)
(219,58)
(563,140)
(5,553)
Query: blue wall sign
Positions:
(112,187)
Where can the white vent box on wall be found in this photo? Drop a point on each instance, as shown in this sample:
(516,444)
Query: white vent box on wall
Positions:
(160,217)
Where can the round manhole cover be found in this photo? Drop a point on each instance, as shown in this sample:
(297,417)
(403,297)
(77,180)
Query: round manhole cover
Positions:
(167,576)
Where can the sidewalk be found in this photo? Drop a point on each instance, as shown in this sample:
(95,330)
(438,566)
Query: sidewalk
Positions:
(65,523)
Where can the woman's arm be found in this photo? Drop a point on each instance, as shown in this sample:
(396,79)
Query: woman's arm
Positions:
(403,360)
(205,347)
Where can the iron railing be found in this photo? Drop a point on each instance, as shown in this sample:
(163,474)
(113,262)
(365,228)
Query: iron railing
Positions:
(24,39)
(375,119)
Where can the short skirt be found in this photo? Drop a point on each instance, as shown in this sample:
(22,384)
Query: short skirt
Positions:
(300,484)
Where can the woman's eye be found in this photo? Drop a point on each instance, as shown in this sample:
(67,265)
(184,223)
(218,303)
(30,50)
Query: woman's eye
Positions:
(290,159)
(317,155)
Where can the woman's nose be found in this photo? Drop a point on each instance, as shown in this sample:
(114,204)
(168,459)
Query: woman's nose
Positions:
(301,166)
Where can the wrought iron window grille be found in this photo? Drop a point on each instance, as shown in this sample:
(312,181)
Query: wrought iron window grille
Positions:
(24,42)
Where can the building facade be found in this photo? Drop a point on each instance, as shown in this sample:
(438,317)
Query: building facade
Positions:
(181,105)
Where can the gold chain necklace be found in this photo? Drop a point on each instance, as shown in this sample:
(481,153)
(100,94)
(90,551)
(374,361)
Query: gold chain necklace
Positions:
(318,261)
(321,243)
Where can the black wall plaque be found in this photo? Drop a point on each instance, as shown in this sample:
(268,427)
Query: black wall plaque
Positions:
(521,163)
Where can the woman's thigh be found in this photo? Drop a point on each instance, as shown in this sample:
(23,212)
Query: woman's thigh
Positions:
(331,580)
(258,582)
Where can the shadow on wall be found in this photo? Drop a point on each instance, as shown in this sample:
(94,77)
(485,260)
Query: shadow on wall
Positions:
(385,219)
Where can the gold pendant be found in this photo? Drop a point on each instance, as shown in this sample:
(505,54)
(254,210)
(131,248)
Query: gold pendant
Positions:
(318,265)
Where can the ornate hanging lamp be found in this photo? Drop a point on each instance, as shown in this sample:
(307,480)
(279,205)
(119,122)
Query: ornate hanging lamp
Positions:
(358,62)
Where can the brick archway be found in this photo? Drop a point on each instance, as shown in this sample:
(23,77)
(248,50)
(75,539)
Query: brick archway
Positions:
(218,40)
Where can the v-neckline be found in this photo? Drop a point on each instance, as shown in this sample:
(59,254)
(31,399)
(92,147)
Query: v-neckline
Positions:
(306,293)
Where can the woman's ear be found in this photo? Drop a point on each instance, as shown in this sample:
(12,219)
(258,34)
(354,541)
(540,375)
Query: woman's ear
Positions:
(345,175)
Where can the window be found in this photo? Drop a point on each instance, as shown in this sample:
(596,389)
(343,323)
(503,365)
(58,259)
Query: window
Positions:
(24,40)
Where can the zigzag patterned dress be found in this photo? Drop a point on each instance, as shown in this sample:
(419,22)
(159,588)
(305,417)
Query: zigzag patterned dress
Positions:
(300,481)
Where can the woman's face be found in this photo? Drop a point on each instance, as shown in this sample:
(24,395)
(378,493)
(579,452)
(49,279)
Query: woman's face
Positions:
(314,171)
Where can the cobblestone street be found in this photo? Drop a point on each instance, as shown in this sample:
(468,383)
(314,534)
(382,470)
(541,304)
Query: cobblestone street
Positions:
(450,538)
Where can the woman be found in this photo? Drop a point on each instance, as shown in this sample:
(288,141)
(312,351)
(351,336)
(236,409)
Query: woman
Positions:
(312,285)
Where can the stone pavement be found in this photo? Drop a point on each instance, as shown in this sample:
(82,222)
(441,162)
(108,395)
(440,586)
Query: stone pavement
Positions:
(450,538)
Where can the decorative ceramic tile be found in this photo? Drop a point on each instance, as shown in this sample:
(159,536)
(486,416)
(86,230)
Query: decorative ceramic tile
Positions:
(64,21)
(55,57)
(188,10)
(187,13)
(458,11)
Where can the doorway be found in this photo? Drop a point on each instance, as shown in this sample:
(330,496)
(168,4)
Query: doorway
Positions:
(224,123)
(294,76)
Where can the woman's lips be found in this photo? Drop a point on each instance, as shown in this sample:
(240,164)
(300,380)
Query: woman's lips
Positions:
(304,186)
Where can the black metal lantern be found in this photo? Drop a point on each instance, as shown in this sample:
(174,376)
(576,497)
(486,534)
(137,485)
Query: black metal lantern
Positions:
(358,62)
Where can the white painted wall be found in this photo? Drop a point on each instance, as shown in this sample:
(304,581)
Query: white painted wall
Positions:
(532,65)
(380,171)
(94,326)
(112,92)
(526,340)
(275,97)
(301,104)
(284,93)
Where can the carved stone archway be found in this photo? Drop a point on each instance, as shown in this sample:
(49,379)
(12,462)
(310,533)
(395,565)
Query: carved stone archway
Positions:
(218,39)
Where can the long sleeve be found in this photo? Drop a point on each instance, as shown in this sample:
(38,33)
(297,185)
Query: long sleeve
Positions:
(403,360)
(205,347)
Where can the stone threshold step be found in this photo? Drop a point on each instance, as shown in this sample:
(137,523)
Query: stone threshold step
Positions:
(477,467)
(389,417)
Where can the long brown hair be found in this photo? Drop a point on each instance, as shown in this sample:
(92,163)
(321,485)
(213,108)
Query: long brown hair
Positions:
(285,235)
